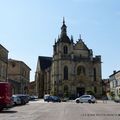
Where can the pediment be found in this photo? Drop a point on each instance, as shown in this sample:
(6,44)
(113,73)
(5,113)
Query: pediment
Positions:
(81,45)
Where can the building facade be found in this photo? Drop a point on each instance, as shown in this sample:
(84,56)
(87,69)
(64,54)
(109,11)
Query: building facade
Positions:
(32,88)
(18,76)
(73,71)
(105,86)
(115,83)
(43,76)
(3,63)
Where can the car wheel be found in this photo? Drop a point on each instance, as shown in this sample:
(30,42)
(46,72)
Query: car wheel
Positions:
(15,103)
(77,101)
(1,108)
(89,101)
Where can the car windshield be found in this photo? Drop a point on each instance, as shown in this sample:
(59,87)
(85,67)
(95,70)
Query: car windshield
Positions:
(46,96)
(54,97)
(85,96)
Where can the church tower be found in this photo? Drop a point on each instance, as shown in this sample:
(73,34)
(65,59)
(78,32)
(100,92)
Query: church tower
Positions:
(62,52)
(74,70)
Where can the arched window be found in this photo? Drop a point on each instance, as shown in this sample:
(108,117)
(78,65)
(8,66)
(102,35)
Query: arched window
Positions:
(94,70)
(65,49)
(65,73)
(81,70)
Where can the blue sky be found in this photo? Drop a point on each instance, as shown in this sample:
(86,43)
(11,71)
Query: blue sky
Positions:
(28,28)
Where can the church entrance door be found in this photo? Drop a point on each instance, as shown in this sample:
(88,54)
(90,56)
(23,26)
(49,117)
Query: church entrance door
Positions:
(80,91)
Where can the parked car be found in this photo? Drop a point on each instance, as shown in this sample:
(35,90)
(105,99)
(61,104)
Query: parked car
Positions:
(46,97)
(32,98)
(16,100)
(117,99)
(86,99)
(65,99)
(49,98)
(55,99)
(24,98)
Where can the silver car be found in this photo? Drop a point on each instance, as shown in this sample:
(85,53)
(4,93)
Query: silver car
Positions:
(86,99)
(16,100)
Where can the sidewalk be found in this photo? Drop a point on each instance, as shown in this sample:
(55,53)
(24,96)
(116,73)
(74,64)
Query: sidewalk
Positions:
(105,101)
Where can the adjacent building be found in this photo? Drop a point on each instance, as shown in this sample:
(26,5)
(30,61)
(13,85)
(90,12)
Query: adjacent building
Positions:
(43,76)
(32,88)
(3,63)
(105,86)
(71,71)
(18,76)
(115,83)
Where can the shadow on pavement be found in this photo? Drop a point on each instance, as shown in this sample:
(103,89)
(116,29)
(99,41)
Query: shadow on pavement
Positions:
(8,111)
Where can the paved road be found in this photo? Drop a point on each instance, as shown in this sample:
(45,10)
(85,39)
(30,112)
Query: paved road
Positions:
(39,110)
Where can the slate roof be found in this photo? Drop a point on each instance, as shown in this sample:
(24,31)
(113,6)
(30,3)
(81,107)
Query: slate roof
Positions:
(114,73)
(65,39)
(45,62)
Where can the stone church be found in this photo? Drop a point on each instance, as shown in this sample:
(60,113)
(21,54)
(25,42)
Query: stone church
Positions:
(72,70)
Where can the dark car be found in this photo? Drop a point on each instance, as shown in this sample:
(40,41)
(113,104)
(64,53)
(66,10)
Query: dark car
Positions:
(55,99)
(49,98)
(33,98)
(24,98)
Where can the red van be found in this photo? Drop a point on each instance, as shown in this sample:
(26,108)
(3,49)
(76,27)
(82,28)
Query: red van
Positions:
(5,95)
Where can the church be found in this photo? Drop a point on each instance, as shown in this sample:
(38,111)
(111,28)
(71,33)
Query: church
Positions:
(72,70)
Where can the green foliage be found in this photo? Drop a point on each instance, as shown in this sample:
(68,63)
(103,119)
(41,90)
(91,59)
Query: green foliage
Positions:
(112,94)
(66,94)
(90,92)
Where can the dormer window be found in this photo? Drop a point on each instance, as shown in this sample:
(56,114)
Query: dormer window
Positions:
(65,49)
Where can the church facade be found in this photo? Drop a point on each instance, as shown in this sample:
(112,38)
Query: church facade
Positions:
(72,70)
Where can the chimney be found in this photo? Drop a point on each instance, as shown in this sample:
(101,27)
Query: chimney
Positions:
(114,71)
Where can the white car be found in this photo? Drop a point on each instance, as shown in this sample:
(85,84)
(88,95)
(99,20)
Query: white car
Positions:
(86,99)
